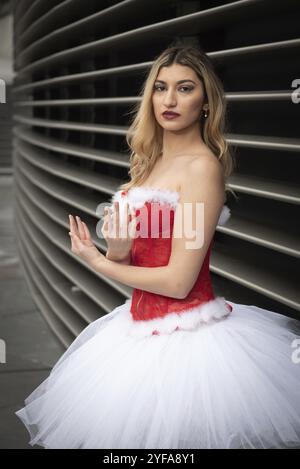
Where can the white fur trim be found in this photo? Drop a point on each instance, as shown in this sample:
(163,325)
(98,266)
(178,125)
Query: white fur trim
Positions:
(224,215)
(187,320)
(138,196)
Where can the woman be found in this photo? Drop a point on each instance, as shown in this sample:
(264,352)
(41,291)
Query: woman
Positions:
(174,366)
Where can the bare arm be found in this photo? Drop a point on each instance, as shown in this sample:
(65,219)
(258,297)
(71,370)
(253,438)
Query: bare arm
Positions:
(202,196)
(126,260)
(153,279)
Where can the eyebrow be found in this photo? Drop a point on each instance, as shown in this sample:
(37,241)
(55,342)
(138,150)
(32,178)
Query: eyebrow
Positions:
(178,82)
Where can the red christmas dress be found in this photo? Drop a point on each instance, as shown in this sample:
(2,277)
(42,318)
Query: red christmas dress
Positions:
(160,372)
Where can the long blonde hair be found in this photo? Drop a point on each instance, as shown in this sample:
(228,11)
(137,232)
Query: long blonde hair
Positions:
(145,136)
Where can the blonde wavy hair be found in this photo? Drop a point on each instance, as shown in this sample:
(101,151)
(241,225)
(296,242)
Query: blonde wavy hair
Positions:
(145,136)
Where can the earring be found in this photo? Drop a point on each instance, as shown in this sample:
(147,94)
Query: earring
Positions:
(205,113)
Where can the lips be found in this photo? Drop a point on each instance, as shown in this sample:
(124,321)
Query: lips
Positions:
(170,114)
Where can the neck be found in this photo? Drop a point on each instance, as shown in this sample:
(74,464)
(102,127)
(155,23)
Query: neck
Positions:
(181,142)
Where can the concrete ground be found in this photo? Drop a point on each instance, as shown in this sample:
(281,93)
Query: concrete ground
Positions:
(31,347)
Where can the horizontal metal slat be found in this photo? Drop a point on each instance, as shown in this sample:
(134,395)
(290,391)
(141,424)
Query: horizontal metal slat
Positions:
(75,28)
(268,142)
(284,192)
(256,233)
(83,76)
(105,184)
(53,144)
(35,10)
(223,15)
(68,172)
(99,128)
(284,95)
(255,50)
(253,276)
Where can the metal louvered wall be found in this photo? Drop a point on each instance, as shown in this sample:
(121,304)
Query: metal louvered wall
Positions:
(6,133)
(79,67)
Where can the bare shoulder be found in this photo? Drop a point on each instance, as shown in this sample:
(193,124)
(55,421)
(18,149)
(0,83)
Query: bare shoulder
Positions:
(202,175)
(206,165)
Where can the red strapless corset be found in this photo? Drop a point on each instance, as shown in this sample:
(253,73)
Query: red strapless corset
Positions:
(152,248)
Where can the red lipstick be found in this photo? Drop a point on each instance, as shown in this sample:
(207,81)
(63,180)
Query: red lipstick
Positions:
(170,115)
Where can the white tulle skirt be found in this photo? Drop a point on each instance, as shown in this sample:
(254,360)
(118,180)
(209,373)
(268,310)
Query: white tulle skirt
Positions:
(229,382)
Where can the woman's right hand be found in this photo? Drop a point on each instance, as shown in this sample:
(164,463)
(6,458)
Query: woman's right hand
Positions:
(118,236)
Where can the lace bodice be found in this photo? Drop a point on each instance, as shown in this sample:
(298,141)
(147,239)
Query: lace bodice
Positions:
(155,209)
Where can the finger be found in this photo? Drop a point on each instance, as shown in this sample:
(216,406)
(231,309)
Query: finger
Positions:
(126,213)
(116,219)
(87,231)
(75,240)
(106,212)
(110,220)
(124,225)
(73,225)
(104,230)
(105,222)
(105,219)
(132,224)
(71,238)
(72,241)
(80,228)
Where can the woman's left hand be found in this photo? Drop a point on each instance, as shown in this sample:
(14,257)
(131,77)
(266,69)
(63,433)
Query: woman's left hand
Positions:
(82,244)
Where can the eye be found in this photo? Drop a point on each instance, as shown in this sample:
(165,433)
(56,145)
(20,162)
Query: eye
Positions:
(186,88)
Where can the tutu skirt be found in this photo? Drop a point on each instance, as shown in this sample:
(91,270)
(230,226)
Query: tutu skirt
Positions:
(230,382)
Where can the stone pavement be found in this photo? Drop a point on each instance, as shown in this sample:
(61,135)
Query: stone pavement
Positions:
(31,347)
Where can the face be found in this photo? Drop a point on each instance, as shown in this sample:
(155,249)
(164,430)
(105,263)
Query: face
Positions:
(178,89)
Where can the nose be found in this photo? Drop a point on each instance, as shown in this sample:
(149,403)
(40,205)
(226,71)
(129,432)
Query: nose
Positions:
(169,98)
